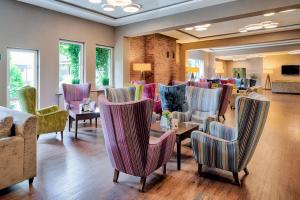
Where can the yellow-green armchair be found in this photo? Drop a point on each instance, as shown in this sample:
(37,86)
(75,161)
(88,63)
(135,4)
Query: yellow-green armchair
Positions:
(50,119)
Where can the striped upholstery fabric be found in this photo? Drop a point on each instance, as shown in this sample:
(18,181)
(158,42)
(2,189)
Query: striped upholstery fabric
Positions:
(199,84)
(202,104)
(74,94)
(225,98)
(126,128)
(149,93)
(120,94)
(232,148)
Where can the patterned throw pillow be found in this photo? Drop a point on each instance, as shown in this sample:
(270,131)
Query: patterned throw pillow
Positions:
(5,126)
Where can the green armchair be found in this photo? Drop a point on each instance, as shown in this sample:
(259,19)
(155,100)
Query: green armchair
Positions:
(50,119)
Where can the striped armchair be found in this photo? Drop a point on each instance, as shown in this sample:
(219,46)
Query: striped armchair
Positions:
(126,128)
(74,94)
(202,104)
(232,148)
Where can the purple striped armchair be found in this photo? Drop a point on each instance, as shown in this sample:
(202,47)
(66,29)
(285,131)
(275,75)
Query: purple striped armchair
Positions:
(74,94)
(225,100)
(126,128)
(229,148)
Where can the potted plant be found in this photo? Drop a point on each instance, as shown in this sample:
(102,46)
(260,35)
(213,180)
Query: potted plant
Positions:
(105,81)
(166,119)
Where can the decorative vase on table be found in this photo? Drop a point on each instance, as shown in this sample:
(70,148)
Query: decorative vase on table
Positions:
(165,121)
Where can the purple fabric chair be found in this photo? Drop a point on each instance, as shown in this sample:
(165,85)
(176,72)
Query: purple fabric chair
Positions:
(126,128)
(149,93)
(74,94)
(225,100)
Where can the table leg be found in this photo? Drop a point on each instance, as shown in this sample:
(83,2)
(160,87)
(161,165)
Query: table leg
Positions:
(91,122)
(178,142)
(96,121)
(70,123)
(76,128)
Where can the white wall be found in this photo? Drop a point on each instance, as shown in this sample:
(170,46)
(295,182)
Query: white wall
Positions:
(209,61)
(29,27)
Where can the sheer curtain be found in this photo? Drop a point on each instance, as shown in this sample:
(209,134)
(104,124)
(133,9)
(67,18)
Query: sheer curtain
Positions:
(199,64)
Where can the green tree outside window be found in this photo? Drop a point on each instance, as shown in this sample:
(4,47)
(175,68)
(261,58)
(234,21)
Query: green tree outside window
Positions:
(103,62)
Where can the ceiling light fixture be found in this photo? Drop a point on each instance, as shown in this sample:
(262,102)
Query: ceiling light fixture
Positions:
(119,2)
(290,10)
(269,14)
(189,28)
(294,52)
(131,8)
(263,25)
(95,1)
(243,30)
(201,29)
(108,7)
(203,26)
(253,27)
(271,25)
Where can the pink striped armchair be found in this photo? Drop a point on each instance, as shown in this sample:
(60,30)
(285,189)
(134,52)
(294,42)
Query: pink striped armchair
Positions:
(126,128)
(74,94)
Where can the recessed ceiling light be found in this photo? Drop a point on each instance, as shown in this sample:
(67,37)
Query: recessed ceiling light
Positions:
(243,30)
(285,11)
(253,27)
(119,2)
(294,52)
(95,1)
(189,28)
(203,26)
(132,8)
(269,14)
(107,7)
(201,29)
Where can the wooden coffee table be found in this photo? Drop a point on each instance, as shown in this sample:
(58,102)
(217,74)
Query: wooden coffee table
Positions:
(76,115)
(184,131)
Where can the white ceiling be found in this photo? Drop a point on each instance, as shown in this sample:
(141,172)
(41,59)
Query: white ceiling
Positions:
(150,9)
(287,21)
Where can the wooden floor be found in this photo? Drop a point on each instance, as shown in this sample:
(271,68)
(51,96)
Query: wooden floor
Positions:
(81,169)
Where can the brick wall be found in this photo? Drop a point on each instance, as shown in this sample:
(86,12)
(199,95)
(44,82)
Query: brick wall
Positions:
(160,51)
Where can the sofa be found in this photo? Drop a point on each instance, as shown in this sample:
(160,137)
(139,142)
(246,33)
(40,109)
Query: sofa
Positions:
(18,149)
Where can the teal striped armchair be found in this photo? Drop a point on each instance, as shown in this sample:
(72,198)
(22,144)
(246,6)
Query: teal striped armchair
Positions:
(232,148)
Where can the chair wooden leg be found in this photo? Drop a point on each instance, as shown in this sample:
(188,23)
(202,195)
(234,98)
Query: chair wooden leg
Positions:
(142,184)
(116,176)
(37,137)
(246,171)
(236,178)
(199,169)
(164,169)
(30,181)
(62,135)
(224,117)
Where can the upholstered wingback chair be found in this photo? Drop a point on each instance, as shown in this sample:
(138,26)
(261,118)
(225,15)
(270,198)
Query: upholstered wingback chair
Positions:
(229,148)
(50,119)
(173,97)
(74,94)
(200,84)
(18,150)
(126,128)
(149,93)
(202,104)
(225,100)
(122,95)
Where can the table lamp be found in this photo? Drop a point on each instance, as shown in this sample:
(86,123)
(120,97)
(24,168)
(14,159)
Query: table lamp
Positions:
(142,67)
(192,70)
(268,71)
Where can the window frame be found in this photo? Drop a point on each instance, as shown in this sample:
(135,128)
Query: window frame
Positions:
(111,71)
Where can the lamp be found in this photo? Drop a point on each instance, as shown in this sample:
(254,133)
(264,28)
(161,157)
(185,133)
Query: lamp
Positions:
(219,68)
(192,70)
(142,67)
(268,71)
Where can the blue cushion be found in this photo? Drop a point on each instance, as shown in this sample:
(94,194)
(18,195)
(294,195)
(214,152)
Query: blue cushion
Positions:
(173,97)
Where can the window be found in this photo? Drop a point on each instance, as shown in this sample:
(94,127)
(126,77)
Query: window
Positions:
(200,64)
(103,66)
(22,70)
(70,62)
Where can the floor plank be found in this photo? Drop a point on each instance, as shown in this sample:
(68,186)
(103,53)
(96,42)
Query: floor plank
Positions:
(81,169)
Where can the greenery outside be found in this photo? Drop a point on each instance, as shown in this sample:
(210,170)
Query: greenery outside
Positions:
(103,63)
(15,82)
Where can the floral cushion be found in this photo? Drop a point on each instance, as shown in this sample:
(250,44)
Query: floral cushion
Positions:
(5,126)
(173,97)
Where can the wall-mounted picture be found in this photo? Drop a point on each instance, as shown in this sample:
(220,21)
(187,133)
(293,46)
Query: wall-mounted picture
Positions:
(239,72)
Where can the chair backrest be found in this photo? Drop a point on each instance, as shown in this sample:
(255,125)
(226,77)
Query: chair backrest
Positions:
(126,128)
(149,91)
(76,92)
(27,99)
(251,114)
(119,95)
(203,99)
(172,97)
(142,82)
(199,84)
(225,98)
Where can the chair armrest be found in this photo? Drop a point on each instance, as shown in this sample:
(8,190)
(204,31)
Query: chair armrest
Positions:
(219,130)
(182,116)
(215,152)
(160,151)
(57,119)
(48,110)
